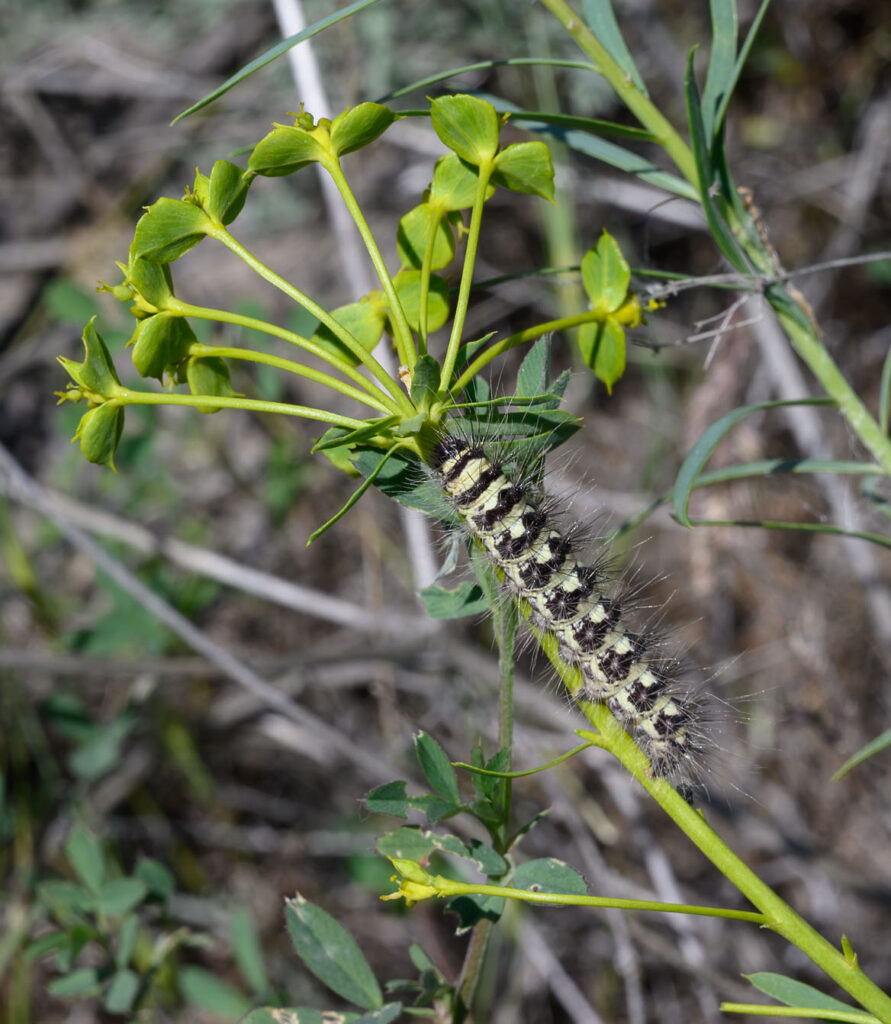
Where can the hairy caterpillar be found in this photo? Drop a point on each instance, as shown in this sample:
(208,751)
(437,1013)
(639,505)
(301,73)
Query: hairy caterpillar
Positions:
(568,600)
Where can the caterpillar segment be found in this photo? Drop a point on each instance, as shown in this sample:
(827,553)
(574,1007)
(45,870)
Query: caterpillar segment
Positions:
(566,599)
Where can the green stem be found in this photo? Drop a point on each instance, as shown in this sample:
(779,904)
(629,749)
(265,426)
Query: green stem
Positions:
(401,330)
(322,315)
(300,369)
(307,344)
(559,899)
(427,260)
(124,396)
(637,102)
(521,338)
(810,348)
(780,917)
(472,968)
(484,172)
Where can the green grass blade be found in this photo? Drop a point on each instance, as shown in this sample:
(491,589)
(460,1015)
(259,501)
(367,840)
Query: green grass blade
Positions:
(770,467)
(708,441)
(273,53)
(721,65)
(885,393)
(601,19)
(873,747)
(796,993)
(800,1013)
(740,62)
(705,172)
(483,65)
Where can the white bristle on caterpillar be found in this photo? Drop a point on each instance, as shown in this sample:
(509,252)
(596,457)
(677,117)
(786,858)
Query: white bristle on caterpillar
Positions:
(567,599)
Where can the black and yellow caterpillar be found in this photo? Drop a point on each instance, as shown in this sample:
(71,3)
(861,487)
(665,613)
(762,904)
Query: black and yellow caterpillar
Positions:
(568,600)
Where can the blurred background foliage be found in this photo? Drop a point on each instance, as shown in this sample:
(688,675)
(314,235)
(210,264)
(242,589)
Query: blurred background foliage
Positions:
(106,718)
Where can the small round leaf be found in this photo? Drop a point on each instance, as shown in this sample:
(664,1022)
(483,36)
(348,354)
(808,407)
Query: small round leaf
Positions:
(169,228)
(284,150)
(468,125)
(526,167)
(357,126)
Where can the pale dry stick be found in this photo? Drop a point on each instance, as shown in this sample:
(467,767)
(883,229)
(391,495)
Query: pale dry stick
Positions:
(551,972)
(307,78)
(21,488)
(212,565)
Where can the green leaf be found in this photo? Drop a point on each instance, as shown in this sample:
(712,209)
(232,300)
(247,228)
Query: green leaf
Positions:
(357,126)
(740,64)
(122,992)
(159,343)
(601,19)
(414,230)
(533,377)
(407,843)
(465,599)
(286,149)
(274,52)
(293,1015)
(720,75)
(84,853)
(402,481)
(331,954)
(408,288)
(364,319)
(385,1015)
(526,167)
(794,993)
(65,898)
(209,375)
(248,954)
(99,432)
(885,393)
(205,991)
(157,878)
(227,191)
(608,152)
(68,303)
(169,228)
(602,346)
(425,381)
(467,125)
(549,875)
(388,799)
(875,746)
(82,982)
(126,941)
(473,908)
(706,176)
(455,184)
(120,896)
(101,752)
(440,774)
(605,275)
(434,807)
(486,859)
(706,444)
(96,373)
(50,943)
(151,281)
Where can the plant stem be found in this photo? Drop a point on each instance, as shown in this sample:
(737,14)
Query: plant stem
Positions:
(780,917)
(435,217)
(472,968)
(300,369)
(637,102)
(307,344)
(799,1012)
(124,396)
(484,172)
(402,335)
(339,331)
(806,342)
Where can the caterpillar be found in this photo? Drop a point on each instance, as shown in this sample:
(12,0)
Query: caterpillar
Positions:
(567,599)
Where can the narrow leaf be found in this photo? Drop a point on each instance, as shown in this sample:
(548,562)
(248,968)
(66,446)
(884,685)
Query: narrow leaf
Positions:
(794,993)
(273,53)
(885,393)
(601,19)
(740,63)
(331,954)
(705,172)
(708,441)
(248,954)
(85,854)
(722,59)
(880,743)
(122,991)
(436,767)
